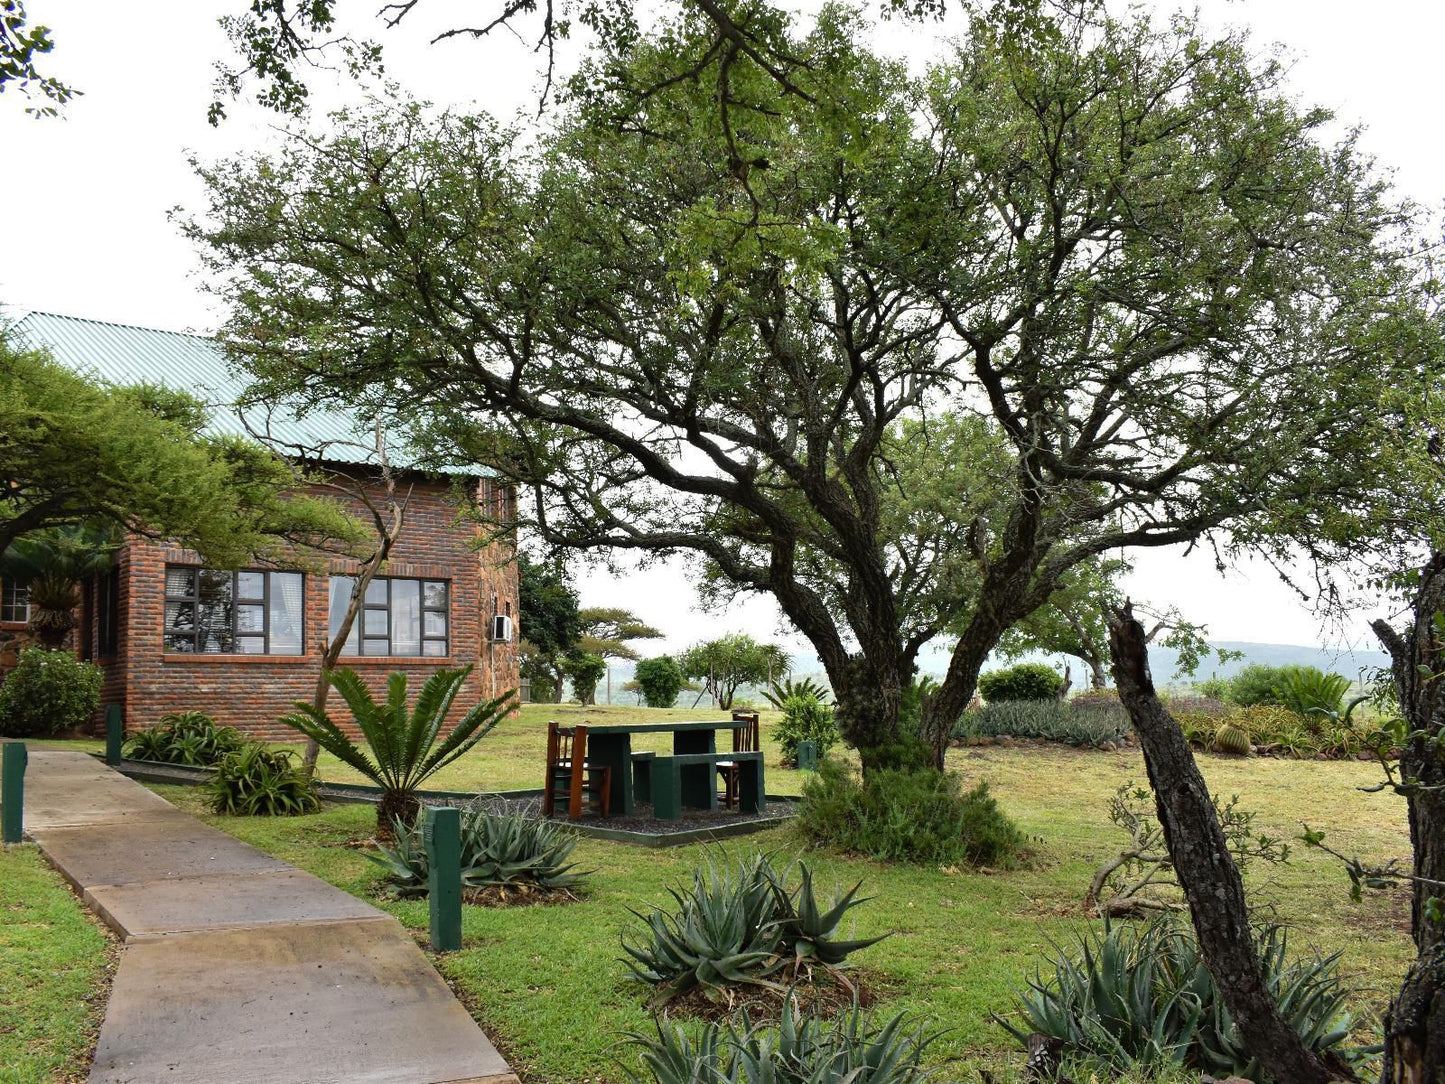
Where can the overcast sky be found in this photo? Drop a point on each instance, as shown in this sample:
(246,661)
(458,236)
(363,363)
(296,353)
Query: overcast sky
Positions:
(86,232)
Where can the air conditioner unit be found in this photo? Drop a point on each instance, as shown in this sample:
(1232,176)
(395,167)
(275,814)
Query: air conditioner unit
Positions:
(501,627)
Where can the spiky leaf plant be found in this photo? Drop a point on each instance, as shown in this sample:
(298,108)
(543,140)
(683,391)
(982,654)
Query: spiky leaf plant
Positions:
(403,744)
(783,691)
(1134,998)
(802,1049)
(258,782)
(509,851)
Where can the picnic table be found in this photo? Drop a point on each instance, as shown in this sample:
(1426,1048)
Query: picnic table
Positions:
(695,752)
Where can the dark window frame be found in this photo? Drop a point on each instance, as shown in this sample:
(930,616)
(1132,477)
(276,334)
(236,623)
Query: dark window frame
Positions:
(170,638)
(389,639)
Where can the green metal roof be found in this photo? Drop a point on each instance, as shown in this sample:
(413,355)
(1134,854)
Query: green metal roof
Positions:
(122,354)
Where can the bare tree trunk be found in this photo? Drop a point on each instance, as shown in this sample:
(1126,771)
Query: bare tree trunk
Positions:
(388,518)
(1207,873)
(1415,1023)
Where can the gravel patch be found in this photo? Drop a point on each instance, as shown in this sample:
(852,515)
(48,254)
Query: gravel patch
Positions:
(641,820)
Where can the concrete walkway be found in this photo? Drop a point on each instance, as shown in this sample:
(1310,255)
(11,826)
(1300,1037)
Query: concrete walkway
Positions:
(238,967)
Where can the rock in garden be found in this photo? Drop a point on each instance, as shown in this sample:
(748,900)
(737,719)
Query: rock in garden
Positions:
(1109,747)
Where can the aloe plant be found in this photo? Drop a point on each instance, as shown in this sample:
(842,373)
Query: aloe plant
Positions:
(403,744)
(740,924)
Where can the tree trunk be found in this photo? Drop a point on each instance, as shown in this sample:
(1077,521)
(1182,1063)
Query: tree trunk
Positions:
(395,805)
(1415,1023)
(1207,873)
(867,706)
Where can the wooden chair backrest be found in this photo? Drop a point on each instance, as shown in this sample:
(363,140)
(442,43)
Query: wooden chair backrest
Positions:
(565,742)
(746,738)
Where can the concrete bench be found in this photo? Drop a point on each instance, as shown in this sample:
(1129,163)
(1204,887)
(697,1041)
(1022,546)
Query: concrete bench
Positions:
(690,779)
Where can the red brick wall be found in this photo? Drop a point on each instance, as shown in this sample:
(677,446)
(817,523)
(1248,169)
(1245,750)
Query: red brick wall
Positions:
(251,692)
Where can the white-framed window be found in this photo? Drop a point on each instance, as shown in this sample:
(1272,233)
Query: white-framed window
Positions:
(14,602)
(398,616)
(250,612)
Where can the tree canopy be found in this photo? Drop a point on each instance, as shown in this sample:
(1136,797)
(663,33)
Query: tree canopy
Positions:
(730,661)
(607,632)
(75,452)
(848,336)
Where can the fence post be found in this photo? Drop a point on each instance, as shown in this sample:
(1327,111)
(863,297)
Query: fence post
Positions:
(12,791)
(807,756)
(442,833)
(114,734)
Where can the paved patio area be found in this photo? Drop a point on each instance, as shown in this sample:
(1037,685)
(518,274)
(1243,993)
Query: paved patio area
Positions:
(238,967)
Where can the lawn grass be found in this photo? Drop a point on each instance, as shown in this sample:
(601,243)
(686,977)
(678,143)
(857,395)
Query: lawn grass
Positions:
(548,984)
(55,964)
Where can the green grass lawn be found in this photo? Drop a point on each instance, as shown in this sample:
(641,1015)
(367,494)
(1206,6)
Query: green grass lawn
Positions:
(54,969)
(547,983)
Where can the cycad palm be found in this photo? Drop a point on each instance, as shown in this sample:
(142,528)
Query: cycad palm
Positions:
(400,742)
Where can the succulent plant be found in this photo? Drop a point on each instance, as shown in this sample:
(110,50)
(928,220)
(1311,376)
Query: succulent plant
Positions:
(1231,739)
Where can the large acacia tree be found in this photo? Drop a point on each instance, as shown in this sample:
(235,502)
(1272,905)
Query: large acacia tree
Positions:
(899,352)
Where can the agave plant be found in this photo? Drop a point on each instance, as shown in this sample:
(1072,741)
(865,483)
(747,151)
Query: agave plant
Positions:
(191,738)
(740,924)
(258,782)
(1143,999)
(403,744)
(496,850)
(802,1049)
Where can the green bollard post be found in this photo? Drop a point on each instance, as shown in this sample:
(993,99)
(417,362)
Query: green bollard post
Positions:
(807,756)
(442,833)
(12,791)
(114,734)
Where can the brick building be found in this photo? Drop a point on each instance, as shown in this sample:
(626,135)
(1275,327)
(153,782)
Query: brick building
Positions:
(243,644)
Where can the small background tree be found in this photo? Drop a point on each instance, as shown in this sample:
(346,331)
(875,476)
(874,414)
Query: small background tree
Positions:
(722,665)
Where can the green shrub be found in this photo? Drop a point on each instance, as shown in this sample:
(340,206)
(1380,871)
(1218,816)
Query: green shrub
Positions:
(1091,723)
(805,718)
(736,925)
(898,815)
(905,754)
(47,692)
(1141,997)
(190,738)
(255,781)
(1258,684)
(660,679)
(1276,729)
(1213,688)
(1026,681)
(497,850)
(802,1049)
(584,670)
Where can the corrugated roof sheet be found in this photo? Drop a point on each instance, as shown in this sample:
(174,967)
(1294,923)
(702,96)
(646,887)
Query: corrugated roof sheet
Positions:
(122,354)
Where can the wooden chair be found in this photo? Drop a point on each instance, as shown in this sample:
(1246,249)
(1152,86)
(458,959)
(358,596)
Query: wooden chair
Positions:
(745,740)
(566,748)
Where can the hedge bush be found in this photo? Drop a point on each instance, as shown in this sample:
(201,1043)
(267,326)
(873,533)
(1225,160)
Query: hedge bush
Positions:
(1026,681)
(805,718)
(897,815)
(660,679)
(47,692)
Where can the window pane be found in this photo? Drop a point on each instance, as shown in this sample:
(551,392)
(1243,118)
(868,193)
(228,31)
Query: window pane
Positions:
(435,623)
(287,608)
(341,588)
(180,626)
(434,647)
(374,622)
(405,617)
(376,592)
(250,584)
(251,645)
(250,619)
(378,647)
(213,611)
(181,581)
(435,595)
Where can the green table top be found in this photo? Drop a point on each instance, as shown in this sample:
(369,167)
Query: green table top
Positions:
(660,728)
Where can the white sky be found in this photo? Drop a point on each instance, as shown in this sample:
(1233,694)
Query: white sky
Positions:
(85,229)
